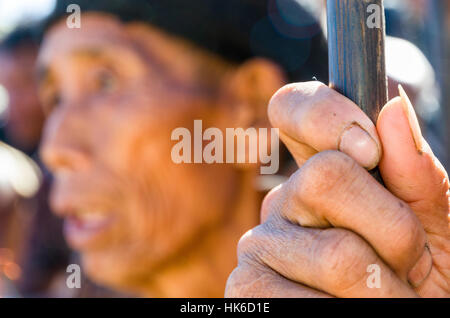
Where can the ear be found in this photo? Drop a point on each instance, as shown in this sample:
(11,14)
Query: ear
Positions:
(248,89)
(246,93)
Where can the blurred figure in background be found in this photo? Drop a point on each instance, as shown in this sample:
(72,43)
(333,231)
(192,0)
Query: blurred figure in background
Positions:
(40,252)
(23,118)
(20,179)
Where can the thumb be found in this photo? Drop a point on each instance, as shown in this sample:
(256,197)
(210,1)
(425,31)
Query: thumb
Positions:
(408,166)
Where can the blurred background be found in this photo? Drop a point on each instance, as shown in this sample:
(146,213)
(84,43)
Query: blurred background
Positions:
(33,261)
(14,13)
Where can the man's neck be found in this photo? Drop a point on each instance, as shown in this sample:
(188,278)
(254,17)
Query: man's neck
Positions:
(206,269)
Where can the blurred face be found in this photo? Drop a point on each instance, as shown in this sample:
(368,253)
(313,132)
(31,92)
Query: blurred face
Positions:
(113,97)
(25,117)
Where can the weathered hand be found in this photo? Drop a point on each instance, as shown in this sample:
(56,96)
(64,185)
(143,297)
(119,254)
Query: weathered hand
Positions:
(331,220)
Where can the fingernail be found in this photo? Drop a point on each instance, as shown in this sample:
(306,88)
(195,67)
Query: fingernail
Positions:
(358,144)
(421,270)
(412,120)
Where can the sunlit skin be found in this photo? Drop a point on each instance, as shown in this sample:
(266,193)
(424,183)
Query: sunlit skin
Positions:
(25,116)
(321,230)
(113,93)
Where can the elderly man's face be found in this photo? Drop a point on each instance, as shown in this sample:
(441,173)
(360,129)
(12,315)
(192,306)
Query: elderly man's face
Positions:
(113,95)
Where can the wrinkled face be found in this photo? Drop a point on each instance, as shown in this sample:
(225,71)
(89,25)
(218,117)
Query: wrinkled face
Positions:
(113,95)
(25,117)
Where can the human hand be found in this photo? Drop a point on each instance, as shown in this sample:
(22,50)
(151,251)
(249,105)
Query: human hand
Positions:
(331,220)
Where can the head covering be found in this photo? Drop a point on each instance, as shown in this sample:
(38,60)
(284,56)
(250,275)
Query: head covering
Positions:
(280,30)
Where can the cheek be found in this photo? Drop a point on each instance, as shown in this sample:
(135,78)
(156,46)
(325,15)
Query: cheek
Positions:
(130,133)
(152,197)
(168,206)
(165,205)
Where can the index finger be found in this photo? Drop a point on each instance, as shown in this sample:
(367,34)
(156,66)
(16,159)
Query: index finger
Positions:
(312,116)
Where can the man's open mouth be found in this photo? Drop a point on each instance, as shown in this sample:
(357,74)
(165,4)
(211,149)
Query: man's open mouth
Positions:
(84,230)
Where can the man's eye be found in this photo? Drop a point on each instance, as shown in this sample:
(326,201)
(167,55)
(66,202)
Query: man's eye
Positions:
(106,81)
(56,99)
(50,101)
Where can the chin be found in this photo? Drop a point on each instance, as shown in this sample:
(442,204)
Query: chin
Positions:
(118,272)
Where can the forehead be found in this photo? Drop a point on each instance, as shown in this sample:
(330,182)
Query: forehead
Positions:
(98,35)
(108,37)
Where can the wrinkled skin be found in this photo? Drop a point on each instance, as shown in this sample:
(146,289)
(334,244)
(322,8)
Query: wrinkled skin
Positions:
(321,230)
(25,116)
(113,94)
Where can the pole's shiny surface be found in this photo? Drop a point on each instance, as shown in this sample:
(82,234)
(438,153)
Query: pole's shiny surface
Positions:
(356,49)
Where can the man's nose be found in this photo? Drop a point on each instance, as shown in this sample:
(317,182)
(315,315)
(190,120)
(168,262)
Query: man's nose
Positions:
(65,142)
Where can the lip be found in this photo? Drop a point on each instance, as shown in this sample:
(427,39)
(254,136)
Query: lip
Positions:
(81,234)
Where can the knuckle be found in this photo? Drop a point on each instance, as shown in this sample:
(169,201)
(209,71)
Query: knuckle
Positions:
(273,201)
(235,286)
(264,245)
(321,174)
(341,255)
(249,281)
(252,245)
(245,245)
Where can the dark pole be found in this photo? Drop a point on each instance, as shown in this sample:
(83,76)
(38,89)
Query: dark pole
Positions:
(445,6)
(356,33)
